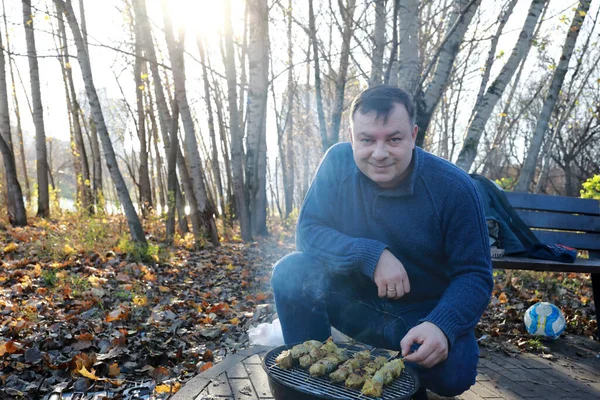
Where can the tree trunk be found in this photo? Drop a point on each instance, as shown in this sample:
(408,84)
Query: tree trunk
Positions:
(319,91)
(340,84)
(205,207)
(211,126)
(482,111)
(22,163)
(287,155)
(378,43)
(230,203)
(135,227)
(427,100)
(144,174)
(38,115)
(15,206)
(84,181)
(256,145)
(391,72)
(528,170)
(162,195)
(409,68)
(237,140)
(172,186)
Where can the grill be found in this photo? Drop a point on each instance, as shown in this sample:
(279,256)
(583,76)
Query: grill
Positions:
(297,384)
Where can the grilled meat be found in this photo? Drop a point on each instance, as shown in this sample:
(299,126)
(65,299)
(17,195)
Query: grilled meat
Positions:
(357,378)
(329,363)
(384,376)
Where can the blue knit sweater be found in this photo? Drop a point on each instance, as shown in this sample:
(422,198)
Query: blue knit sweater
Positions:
(433,223)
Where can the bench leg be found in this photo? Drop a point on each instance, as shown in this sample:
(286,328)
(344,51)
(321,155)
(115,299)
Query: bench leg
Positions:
(596,294)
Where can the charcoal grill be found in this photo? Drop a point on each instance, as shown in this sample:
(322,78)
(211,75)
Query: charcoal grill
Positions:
(297,384)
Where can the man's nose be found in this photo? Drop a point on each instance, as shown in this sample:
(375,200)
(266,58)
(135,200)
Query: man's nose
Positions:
(380,151)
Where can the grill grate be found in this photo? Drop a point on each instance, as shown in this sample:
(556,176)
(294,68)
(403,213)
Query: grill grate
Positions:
(299,379)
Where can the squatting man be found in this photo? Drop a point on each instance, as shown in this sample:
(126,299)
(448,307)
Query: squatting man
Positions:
(392,248)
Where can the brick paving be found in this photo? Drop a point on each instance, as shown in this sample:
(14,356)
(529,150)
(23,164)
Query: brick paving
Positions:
(572,373)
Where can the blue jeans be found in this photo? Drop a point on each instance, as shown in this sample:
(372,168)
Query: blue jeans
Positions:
(310,300)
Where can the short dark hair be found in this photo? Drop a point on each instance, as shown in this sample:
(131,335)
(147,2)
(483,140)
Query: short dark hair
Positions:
(381,99)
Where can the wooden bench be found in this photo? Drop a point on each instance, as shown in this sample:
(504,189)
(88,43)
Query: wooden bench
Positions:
(570,221)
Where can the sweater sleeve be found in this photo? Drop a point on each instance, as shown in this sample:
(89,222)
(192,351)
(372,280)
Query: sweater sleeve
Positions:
(469,260)
(317,232)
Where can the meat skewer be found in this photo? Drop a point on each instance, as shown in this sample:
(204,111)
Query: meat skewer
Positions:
(384,376)
(357,378)
(288,358)
(316,354)
(328,363)
(358,361)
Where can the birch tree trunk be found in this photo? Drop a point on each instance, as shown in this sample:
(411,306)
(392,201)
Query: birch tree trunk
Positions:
(19,136)
(376,76)
(409,68)
(135,227)
(484,109)
(38,115)
(287,153)
(428,99)
(256,145)
(319,91)
(97,186)
(205,207)
(529,166)
(211,125)
(15,206)
(391,72)
(340,84)
(144,174)
(84,181)
(237,140)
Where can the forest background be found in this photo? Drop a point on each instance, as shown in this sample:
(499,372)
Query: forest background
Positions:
(135,130)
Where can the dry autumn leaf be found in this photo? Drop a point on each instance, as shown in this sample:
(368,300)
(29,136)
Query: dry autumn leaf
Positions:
(206,366)
(503,298)
(117,314)
(11,247)
(88,374)
(168,388)
(113,369)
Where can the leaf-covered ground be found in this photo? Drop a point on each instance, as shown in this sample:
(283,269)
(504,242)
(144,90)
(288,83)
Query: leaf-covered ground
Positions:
(79,310)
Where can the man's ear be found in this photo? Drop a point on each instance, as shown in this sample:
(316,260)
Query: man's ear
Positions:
(350,133)
(414,134)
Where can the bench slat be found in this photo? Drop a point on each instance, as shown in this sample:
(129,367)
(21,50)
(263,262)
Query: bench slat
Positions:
(532,264)
(571,205)
(580,241)
(561,221)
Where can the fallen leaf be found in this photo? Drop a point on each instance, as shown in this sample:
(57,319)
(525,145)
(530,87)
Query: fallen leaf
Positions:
(206,366)
(113,369)
(88,374)
(11,247)
(118,314)
(503,298)
(168,388)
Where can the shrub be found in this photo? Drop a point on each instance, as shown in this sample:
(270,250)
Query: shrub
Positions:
(591,188)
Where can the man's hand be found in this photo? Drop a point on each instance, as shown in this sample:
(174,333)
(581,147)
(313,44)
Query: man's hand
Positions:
(434,345)
(390,276)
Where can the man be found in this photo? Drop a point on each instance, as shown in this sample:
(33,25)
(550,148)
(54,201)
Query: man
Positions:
(393,248)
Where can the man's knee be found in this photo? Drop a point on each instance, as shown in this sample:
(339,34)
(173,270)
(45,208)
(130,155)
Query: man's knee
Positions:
(292,272)
(454,384)
(457,374)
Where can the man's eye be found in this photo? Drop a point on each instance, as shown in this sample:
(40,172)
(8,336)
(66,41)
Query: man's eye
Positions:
(396,140)
(366,140)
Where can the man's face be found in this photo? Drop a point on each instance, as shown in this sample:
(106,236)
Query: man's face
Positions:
(383,152)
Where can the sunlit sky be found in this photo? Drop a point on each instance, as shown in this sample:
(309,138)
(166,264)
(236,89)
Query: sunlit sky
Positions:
(107,25)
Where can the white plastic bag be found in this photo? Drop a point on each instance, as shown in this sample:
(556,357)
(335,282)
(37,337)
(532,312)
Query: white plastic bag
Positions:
(266,334)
